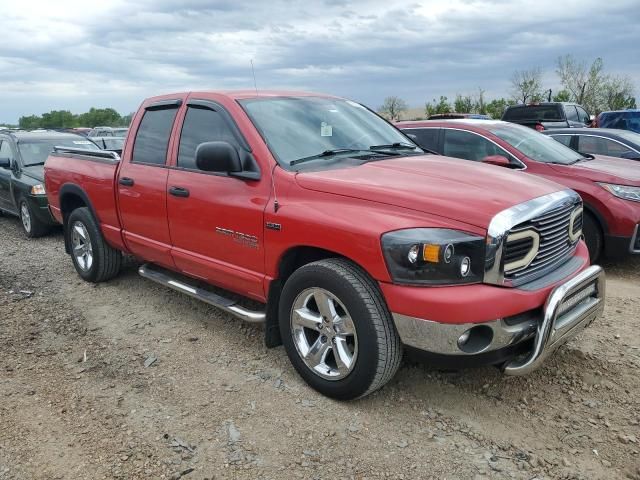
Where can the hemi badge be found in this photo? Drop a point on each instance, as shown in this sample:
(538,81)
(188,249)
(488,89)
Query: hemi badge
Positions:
(274,226)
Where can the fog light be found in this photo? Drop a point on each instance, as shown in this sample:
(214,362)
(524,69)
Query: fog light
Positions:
(414,251)
(465,267)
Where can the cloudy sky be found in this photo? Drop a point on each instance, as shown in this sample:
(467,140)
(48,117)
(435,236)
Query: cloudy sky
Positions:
(68,54)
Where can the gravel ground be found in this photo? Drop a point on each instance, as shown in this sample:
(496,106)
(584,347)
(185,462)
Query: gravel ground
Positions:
(130,380)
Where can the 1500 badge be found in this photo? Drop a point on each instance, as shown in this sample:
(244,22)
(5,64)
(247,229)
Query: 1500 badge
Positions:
(243,239)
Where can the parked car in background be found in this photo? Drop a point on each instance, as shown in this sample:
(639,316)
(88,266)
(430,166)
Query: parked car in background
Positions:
(548,115)
(452,116)
(77,130)
(112,144)
(620,119)
(609,187)
(22,191)
(351,239)
(108,132)
(599,141)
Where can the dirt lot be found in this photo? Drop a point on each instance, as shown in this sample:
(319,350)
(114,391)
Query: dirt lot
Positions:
(81,395)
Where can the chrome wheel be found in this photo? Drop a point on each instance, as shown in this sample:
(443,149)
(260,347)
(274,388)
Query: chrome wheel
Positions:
(324,334)
(81,244)
(25,216)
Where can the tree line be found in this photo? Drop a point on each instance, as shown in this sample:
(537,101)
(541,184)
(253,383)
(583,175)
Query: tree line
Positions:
(95,117)
(584,83)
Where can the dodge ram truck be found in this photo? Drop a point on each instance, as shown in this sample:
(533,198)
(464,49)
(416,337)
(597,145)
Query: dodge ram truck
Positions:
(315,216)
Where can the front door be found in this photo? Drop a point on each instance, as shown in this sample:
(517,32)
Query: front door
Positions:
(216,221)
(142,187)
(6,195)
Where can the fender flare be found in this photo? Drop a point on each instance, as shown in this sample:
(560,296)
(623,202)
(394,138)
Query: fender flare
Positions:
(76,190)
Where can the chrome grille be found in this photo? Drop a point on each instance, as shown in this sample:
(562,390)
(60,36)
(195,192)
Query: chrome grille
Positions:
(556,244)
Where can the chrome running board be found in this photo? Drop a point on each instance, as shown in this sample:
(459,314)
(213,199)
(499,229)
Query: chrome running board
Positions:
(228,305)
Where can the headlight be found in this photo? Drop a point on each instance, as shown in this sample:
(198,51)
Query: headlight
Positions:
(434,256)
(623,191)
(38,190)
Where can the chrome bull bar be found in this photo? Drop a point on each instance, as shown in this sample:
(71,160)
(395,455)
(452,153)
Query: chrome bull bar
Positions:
(571,307)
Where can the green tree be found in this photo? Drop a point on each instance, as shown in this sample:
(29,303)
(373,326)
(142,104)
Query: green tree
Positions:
(562,96)
(58,119)
(30,122)
(99,117)
(496,107)
(442,106)
(480,105)
(526,85)
(463,104)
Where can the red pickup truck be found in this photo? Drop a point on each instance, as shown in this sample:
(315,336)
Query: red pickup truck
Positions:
(355,242)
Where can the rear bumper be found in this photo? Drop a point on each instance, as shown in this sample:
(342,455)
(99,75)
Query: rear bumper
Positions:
(569,307)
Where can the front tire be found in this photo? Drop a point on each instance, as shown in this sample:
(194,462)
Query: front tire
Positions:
(593,236)
(94,260)
(337,329)
(32,227)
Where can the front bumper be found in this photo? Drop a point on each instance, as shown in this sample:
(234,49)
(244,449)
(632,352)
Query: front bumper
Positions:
(570,307)
(40,208)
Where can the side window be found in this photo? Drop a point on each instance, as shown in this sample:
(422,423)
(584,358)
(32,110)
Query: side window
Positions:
(5,150)
(593,145)
(584,116)
(201,125)
(563,139)
(425,137)
(615,149)
(572,113)
(152,138)
(461,144)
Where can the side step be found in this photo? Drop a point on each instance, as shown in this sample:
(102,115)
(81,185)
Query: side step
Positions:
(230,306)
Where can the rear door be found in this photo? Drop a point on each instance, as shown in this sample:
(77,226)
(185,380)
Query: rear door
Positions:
(216,221)
(6,195)
(142,185)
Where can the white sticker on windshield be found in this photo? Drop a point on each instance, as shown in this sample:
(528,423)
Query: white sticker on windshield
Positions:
(326,130)
(82,142)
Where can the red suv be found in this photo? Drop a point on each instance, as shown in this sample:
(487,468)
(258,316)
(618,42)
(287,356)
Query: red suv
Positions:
(609,187)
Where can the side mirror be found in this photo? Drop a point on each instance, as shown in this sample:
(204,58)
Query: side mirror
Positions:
(498,160)
(592,118)
(218,157)
(5,163)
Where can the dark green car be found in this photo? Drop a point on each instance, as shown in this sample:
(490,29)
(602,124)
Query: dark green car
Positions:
(22,157)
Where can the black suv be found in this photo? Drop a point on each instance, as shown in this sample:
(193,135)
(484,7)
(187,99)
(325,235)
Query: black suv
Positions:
(22,157)
(548,115)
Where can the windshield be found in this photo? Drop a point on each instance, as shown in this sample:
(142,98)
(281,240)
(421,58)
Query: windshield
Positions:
(534,145)
(622,120)
(35,152)
(297,128)
(120,132)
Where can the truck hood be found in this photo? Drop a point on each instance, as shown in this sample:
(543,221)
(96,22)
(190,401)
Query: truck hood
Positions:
(605,169)
(459,190)
(36,172)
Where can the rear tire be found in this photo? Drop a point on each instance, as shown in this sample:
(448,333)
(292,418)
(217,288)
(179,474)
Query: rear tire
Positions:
(32,227)
(593,236)
(337,329)
(94,259)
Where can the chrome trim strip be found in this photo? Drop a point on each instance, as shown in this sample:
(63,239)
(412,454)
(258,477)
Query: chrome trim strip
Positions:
(575,214)
(559,326)
(442,338)
(633,241)
(504,221)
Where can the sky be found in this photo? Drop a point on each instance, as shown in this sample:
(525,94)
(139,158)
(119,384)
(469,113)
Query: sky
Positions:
(73,55)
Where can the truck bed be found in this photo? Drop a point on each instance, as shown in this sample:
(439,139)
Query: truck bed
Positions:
(95,171)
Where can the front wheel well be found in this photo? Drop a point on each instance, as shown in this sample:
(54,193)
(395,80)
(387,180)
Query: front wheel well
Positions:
(292,260)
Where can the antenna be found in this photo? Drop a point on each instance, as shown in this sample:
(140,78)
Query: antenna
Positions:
(276,205)
(255,84)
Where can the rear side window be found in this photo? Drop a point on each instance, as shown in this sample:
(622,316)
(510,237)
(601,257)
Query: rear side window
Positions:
(201,125)
(563,139)
(153,135)
(425,137)
(534,113)
(620,120)
(5,150)
(572,113)
(470,146)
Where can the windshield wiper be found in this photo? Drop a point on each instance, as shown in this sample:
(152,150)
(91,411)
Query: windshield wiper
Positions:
(34,164)
(394,146)
(326,153)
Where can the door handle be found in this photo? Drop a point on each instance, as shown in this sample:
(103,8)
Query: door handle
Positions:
(179,192)
(126,181)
